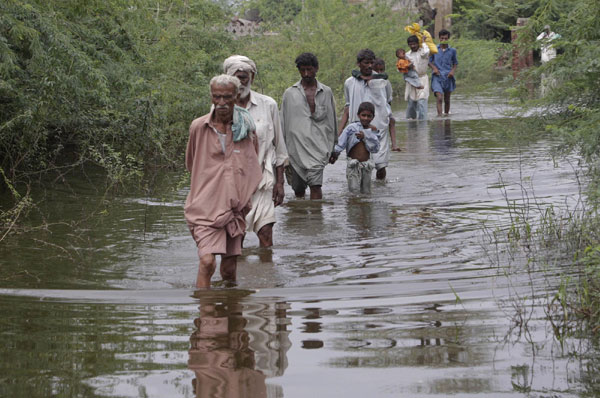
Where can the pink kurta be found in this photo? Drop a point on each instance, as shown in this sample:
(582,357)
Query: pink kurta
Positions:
(221,184)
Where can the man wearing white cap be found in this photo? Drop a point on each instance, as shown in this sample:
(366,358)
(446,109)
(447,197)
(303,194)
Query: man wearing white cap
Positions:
(272,153)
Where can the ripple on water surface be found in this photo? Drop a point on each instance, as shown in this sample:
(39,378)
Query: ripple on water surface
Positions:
(395,288)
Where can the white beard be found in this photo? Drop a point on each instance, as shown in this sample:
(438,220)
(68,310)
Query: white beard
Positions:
(245,90)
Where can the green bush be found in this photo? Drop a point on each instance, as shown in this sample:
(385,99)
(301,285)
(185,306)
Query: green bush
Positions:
(114,78)
(570,109)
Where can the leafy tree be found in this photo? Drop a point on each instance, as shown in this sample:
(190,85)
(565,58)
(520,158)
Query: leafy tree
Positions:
(489,19)
(113,82)
(569,108)
(273,12)
(574,76)
(119,77)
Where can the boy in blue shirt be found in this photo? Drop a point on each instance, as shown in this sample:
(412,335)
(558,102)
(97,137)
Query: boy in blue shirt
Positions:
(359,139)
(443,65)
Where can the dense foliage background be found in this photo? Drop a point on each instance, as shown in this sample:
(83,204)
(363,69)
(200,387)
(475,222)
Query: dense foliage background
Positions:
(111,82)
(571,110)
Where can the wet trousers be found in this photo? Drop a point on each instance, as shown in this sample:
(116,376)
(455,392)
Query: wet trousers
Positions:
(416,109)
(358,175)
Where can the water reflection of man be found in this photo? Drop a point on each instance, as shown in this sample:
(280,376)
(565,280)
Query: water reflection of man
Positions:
(236,346)
(441,135)
(220,355)
(417,137)
(369,219)
(303,216)
(270,341)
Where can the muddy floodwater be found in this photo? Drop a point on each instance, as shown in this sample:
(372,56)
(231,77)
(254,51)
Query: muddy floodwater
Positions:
(396,294)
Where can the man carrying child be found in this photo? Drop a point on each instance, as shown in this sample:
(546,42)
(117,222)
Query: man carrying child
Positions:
(359,139)
(407,68)
(416,98)
(365,85)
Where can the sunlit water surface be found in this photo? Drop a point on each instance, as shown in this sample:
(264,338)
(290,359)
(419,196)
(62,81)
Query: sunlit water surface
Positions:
(395,294)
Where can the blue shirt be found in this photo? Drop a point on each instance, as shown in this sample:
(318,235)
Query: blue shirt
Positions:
(444,60)
(348,140)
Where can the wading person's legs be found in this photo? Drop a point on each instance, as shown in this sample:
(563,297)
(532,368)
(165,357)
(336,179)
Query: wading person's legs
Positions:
(447,102)
(353,176)
(208,241)
(211,241)
(206,269)
(411,109)
(265,235)
(439,98)
(233,248)
(314,179)
(298,184)
(381,158)
(261,217)
(422,109)
(365,178)
(228,268)
(316,192)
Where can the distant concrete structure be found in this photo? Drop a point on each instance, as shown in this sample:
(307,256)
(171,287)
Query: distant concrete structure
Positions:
(442,21)
(242,27)
(253,14)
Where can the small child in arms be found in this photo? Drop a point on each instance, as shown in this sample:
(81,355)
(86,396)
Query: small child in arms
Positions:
(359,139)
(407,68)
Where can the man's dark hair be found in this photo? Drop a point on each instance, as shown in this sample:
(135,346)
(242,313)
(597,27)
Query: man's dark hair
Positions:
(365,54)
(443,32)
(366,106)
(412,39)
(379,61)
(307,59)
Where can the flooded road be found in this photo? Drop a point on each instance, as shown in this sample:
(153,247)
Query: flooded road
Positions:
(389,295)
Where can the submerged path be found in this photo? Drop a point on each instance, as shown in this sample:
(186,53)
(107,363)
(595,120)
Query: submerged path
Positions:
(389,295)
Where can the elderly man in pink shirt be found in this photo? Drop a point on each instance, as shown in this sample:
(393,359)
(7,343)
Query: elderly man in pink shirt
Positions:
(221,156)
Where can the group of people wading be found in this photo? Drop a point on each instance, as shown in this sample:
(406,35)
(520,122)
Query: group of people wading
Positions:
(238,153)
